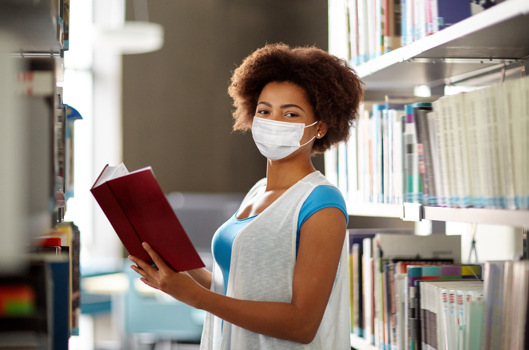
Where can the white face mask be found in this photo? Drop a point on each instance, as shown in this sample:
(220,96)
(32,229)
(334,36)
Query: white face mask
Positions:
(277,140)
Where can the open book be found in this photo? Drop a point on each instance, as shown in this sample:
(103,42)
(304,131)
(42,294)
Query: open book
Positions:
(138,210)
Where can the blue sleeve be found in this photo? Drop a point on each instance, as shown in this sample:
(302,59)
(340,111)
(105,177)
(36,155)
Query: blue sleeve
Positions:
(321,197)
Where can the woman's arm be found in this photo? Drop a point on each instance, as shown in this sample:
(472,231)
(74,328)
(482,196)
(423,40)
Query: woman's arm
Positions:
(320,247)
(201,276)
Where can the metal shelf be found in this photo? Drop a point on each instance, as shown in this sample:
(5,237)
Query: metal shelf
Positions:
(516,218)
(361,344)
(415,212)
(34,24)
(375,209)
(481,41)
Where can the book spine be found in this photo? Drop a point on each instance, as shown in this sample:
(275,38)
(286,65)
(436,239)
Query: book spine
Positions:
(368,290)
(331,166)
(409,21)
(524,144)
(457,105)
(489,154)
(508,108)
(429,159)
(342,169)
(353,31)
(443,150)
(474,140)
(352,166)
(404,23)
(411,163)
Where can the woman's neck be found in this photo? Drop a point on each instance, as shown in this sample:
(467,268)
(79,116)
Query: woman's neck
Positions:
(282,174)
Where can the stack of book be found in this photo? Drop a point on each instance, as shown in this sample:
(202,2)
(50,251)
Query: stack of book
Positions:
(370,28)
(464,150)
(410,296)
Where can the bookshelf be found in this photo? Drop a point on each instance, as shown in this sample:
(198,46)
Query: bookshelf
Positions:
(486,40)
(42,277)
(482,46)
(479,45)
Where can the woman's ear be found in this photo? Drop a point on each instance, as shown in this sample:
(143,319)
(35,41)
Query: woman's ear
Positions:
(321,130)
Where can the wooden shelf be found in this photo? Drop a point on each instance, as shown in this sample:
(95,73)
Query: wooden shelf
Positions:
(478,42)
(361,344)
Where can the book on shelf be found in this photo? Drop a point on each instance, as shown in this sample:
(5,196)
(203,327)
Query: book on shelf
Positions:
(437,304)
(464,150)
(139,212)
(362,30)
(379,293)
(356,270)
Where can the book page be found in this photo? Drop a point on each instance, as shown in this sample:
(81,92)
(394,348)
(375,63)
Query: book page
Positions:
(111,172)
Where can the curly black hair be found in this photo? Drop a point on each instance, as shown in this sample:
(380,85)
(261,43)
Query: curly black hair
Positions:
(333,89)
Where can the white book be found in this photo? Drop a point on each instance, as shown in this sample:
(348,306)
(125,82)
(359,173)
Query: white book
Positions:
(435,15)
(400,280)
(508,308)
(352,166)
(443,196)
(508,134)
(352,10)
(379,33)
(370,5)
(450,149)
(488,127)
(461,161)
(475,148)
(361,151)
(433,333)
(367,261)
(363,31)
(342,168)
(434,149)
(398,156)
(386,142)
(524,145)
(409,22)
(331,165)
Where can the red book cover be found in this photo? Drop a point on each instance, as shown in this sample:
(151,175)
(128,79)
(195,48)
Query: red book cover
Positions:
(138,210)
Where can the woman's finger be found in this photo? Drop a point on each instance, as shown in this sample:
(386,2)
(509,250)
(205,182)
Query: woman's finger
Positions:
(146,281)
(139,271)
(158,261)
(142,265)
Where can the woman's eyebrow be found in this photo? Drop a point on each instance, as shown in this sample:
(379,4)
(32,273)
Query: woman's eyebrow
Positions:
(282,107)
(291,105)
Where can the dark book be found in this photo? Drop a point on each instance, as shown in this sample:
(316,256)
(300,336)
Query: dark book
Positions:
(138,210)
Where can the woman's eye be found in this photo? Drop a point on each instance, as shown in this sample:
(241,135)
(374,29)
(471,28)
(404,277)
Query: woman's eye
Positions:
(262,112)
(291,115)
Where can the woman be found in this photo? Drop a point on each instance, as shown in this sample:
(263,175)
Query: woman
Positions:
(280,276)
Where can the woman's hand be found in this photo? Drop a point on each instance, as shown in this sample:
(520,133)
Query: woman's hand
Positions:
(178,285)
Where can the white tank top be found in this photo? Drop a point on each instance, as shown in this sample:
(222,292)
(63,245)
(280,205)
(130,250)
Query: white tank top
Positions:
(262,269)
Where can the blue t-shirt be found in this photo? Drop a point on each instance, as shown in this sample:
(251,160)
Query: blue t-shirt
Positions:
(321,197)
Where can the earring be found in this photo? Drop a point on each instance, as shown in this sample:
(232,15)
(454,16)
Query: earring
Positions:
(319,135)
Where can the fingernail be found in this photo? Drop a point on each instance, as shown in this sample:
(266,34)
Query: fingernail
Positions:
(128,257)
(144,244)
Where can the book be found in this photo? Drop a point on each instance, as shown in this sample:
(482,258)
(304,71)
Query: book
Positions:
(139,212)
